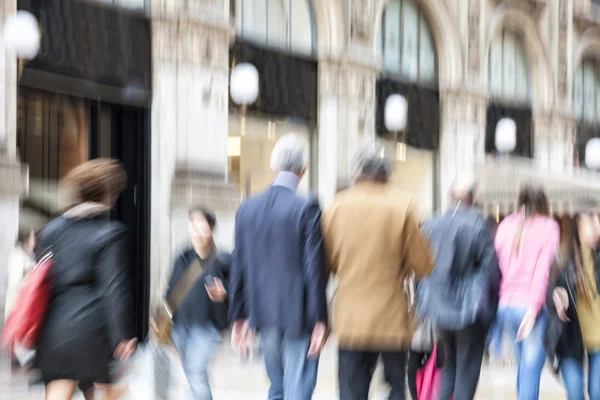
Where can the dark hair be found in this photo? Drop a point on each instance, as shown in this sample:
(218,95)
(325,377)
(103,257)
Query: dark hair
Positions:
(210,216)
(23,235)
(533,201)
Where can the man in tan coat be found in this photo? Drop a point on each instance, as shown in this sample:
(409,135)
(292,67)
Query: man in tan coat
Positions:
(373,245)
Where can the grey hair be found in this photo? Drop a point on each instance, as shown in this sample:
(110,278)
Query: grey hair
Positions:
(464,187)
(371,164)
(290,154)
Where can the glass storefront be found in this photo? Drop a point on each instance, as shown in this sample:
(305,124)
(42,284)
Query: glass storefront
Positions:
(250,144)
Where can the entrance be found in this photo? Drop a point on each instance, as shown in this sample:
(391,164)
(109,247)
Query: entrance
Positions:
(56,133)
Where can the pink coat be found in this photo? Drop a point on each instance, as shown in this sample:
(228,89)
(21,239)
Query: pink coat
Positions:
(525,273)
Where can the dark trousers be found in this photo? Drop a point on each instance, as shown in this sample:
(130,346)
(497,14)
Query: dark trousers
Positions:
(356,371)
(464,355)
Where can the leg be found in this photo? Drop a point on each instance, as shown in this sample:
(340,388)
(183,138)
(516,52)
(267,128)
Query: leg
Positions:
(299,372)
(61,389)
(414,364)
(594,376)
(449,370)
(572,374)
(271,343)
(531,363)
(202,345)
(355,370)
(470,346)
(394,364)
(87,388)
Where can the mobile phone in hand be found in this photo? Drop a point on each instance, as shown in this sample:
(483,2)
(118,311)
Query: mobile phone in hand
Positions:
(209,280)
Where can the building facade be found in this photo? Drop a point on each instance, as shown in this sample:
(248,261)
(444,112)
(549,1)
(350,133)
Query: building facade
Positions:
(326,68)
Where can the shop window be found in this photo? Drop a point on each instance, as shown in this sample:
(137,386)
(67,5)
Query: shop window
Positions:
(586,93)
(282,24)
(509,70)
(250,155)
(405,42)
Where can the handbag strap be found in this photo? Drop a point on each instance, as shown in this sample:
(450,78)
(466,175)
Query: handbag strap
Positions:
(187,281)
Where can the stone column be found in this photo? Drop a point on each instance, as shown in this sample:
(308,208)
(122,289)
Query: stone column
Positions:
(346,119)
(189,125)
(554,141)
(462,137)
(13,175)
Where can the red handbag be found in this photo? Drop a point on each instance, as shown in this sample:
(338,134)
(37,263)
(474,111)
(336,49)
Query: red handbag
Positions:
(25,321)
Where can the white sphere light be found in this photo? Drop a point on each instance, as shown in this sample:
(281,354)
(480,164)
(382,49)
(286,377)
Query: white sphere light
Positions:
(395,113)
(592,153)
(244,84)
(506,135)
(22,35)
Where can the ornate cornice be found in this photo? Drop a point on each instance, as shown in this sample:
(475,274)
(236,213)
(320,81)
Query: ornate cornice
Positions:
(464,105)
(346,78)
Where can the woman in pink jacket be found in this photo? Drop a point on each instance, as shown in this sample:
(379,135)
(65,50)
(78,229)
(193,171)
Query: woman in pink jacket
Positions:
(526,242)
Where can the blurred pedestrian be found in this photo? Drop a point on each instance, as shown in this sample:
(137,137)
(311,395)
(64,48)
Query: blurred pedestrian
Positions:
(573,303)
(198,289)
(21,262)
(461,296)
(373,245)
(278,277)
(526,243)
(89,321)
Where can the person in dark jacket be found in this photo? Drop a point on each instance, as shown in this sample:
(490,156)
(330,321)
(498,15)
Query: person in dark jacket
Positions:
(89,320)
(461,296)
(574,307)
(278,278)
(202,314)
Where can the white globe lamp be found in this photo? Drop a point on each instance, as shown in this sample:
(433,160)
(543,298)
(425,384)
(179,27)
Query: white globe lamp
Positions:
(592,154)
(395,115)
(506,136)
(22,35)
(244,84)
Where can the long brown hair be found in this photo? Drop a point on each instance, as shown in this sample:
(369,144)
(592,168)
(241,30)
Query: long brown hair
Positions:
(532,202)
(575,255)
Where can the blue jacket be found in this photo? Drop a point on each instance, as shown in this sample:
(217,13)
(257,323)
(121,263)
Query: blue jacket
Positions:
(278,277)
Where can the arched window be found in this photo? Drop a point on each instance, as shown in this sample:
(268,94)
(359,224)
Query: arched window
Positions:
(509,70)
(283,24)
(406,43)
(586,93)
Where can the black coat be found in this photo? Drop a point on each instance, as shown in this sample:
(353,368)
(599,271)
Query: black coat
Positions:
(464,286)
(90,309)
(564,339)
(197,308)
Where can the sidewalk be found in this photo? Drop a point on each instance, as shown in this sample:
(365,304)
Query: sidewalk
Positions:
(234,379)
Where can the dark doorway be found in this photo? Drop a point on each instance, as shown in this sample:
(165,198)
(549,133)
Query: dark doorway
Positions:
(123,132)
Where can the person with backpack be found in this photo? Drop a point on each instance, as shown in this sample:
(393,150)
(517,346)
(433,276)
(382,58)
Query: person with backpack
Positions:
(197,297)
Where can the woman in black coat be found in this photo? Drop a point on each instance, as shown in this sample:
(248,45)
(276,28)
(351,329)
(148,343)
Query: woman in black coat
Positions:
(89,318)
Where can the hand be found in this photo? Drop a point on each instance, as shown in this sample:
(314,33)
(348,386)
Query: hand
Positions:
(242,337)
(125,349)
(317,340)
(526,325)
(216,292)
(561,302)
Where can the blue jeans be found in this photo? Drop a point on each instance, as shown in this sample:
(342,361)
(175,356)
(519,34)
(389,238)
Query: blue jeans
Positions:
(292,375)
(197,347)
(574,377)
(530,353)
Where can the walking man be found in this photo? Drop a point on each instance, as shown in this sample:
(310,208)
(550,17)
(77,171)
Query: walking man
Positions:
(373,245)
(461,295)
(197,295)
(278,278)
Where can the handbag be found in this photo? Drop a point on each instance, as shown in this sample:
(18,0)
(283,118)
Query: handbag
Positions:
(429,379)
(24,323)
(170,306)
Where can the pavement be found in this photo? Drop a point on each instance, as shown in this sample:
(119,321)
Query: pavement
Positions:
(234,379)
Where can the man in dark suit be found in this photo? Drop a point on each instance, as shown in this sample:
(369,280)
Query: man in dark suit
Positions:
(278,281)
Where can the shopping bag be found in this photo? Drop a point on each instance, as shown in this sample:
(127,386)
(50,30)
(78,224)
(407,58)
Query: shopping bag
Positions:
(429,379)
(24,323)
(150,374)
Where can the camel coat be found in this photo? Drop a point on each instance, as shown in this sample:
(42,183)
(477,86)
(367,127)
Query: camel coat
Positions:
(372,244)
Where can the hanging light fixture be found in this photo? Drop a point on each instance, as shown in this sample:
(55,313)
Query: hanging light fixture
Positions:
(395,115)
(22,37)
(592,154)
(506,136)
(243,87)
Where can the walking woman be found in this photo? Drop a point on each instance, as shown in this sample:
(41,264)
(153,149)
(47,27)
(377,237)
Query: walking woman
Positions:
(574,307)
(526,244)
(89,319)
